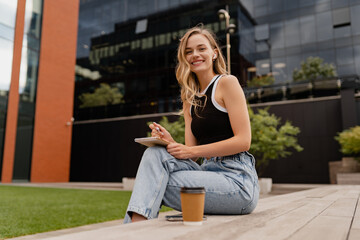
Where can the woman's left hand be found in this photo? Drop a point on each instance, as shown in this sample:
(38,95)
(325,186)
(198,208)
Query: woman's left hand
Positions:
(180,151)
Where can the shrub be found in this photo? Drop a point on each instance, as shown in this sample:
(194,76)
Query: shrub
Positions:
(102,96)
(313,68)
(270,139)
(259,81)
(349,141)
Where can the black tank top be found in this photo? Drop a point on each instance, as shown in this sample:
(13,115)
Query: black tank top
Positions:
(211,123)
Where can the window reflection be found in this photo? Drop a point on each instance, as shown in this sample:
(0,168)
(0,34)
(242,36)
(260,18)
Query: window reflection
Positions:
(324,26)
(27,89)
(307,29)
(273,38)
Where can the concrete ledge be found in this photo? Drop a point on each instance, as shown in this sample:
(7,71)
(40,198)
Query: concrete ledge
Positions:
(348,178)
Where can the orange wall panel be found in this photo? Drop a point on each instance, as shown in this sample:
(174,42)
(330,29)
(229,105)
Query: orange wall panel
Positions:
(13,100)
(55,92)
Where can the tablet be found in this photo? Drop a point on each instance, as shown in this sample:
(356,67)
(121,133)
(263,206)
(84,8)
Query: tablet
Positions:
(178,217)
(151,141)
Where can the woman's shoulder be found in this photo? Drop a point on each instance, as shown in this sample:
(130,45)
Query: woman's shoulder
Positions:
(229,81)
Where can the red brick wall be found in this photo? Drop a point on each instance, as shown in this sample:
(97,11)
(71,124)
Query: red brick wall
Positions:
(55,92)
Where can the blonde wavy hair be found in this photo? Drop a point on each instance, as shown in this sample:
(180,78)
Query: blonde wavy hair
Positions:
(187,80)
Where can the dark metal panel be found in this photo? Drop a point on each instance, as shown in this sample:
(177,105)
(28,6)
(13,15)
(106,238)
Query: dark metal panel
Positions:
(106,151)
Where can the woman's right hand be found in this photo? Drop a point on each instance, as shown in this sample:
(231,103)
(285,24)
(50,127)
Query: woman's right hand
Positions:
(160,132)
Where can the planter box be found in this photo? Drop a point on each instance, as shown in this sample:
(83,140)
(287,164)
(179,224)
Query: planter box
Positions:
(334,169)
(348,178)
(265,185)
(128,183)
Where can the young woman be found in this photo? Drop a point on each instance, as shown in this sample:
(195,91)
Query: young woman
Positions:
(217,127)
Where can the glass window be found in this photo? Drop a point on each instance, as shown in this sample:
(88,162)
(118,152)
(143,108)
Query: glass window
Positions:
(342,32)
(162,4)
(345,69)
(27,89)
(262,32)
(307,29)
(323,26)
(249,5)
(118,11)
(174,3)
(185,1)
(306,3)
(262,67)
(141,26)
(357,58)
(275,6)
(293,4)
(145,7)
(292,34)
(341,17)
(261,11)
(260,2)
(132,9)
(344,56)
(323,6)
(279,69)
(355,19)
(277,35)
(339,3)
(292,62)
(262,46)
(328,56)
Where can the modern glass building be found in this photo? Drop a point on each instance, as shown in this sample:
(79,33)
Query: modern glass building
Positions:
(126,49)
(36,89)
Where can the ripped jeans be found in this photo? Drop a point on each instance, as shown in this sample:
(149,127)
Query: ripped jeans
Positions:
(230,182)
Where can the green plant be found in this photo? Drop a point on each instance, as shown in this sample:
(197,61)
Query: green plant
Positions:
(313,68)
(102,96)
(270,139)
(259,81)
(349,141)
(176,128)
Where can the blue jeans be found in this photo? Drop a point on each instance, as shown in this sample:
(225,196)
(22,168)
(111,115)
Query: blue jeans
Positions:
(230,182)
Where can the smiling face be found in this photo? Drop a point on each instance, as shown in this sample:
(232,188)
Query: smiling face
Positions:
(199,54)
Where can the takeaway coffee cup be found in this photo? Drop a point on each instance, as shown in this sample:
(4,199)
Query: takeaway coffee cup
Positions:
(192,205)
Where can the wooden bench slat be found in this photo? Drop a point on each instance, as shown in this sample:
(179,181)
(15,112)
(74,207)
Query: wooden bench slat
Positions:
(243,224)
(324,227)
(285,225)
(354,234)
(341,208)
(356,219)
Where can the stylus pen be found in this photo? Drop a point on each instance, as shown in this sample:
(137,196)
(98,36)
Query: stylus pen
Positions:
(158,129)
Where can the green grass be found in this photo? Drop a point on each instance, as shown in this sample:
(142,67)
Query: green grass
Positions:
(30,210)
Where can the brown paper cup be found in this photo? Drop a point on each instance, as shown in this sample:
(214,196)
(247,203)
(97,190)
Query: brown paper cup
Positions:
(192,205)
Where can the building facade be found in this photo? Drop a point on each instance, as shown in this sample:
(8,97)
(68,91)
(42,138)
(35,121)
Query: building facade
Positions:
(125,75)
(38,45)
(128,47)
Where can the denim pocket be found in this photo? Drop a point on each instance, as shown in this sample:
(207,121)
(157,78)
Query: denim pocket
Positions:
(234,166)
